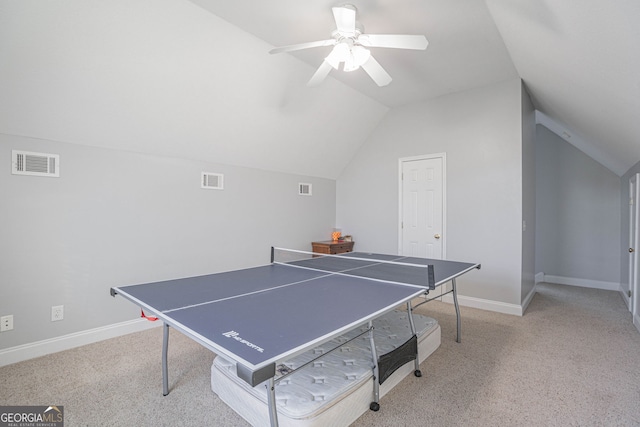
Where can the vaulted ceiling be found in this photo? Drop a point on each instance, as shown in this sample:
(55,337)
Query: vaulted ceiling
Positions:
(193,78)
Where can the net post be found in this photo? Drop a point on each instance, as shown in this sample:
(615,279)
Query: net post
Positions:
(272,254)
(431,277)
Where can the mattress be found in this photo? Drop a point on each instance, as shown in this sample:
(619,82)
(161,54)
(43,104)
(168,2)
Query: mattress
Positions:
(336,388)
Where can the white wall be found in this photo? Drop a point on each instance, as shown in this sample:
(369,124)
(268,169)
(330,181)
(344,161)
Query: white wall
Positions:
(116,218)
(168,77)
(528,198)
(578,215)
(480,133)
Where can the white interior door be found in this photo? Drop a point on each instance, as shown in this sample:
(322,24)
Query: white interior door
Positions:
(422,206)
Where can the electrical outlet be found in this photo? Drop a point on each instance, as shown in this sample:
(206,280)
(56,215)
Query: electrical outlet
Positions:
(57,313)
(6,323)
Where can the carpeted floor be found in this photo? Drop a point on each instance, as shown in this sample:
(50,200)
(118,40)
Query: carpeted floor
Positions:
(573,359)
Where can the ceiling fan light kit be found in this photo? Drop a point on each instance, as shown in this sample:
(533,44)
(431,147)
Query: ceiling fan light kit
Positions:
(350,47)
(352,56)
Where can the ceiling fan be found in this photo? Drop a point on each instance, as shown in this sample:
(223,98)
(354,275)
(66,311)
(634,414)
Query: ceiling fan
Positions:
(350,47)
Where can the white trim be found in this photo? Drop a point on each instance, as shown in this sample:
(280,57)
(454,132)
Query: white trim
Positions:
(636,322)
(597,154)
(528,298)
(401,160)
(585,283)
(23,352)
(625,296)
(634,239)
(539,278)
(485,304)
(490,305)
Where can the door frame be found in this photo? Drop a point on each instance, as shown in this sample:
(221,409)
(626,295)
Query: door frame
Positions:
(403,160)
(634,242)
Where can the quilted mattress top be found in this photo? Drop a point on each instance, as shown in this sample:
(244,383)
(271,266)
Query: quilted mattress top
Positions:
(330,377)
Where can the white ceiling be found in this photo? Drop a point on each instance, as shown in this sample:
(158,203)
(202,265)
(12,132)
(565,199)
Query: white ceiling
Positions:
(465,48)
(579,59)
(193,78)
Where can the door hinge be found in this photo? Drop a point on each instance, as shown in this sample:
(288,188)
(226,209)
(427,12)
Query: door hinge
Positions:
(630,293)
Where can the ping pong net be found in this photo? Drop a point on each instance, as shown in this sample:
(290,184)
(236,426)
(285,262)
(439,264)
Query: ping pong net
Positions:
(383,268)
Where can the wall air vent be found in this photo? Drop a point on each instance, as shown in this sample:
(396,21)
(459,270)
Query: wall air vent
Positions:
(304,189)
(212,181)
(37,164)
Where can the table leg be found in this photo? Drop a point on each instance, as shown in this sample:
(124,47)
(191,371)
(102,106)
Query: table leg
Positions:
(416,362)
(165,370)
(273,410)
(375,405)
(455,303)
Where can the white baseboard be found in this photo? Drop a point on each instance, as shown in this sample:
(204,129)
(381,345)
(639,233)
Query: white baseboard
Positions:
(485,304)
(585,283)
(625,297)
(41,348)
(539,278)
(528,298)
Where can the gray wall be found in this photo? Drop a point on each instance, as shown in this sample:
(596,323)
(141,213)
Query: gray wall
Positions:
(116,218)
(528,196)
(578,213)
(481,134)
(167,77)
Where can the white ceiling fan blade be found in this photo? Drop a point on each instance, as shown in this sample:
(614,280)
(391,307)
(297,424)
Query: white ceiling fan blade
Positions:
(301,46)
(345,17)
(321,73)
(376,72)
(399,41)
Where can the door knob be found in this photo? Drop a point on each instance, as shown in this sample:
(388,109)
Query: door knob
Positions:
(437,236)
(631,250)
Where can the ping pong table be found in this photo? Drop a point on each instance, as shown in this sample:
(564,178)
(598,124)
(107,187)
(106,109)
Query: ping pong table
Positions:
(260,316)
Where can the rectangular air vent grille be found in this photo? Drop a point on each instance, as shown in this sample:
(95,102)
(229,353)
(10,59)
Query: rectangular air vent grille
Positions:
(36,164)
(304,189)
(212,181)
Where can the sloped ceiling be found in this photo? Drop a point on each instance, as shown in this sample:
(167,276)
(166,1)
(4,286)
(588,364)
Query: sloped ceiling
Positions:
(166,77)
(465,49)
(194,78)
(580,61)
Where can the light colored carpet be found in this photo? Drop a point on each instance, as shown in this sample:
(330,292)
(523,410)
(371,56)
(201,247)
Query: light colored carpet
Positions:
(572,360)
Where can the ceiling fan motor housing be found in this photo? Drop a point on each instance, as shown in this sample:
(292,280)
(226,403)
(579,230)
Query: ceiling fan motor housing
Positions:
(351,51)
